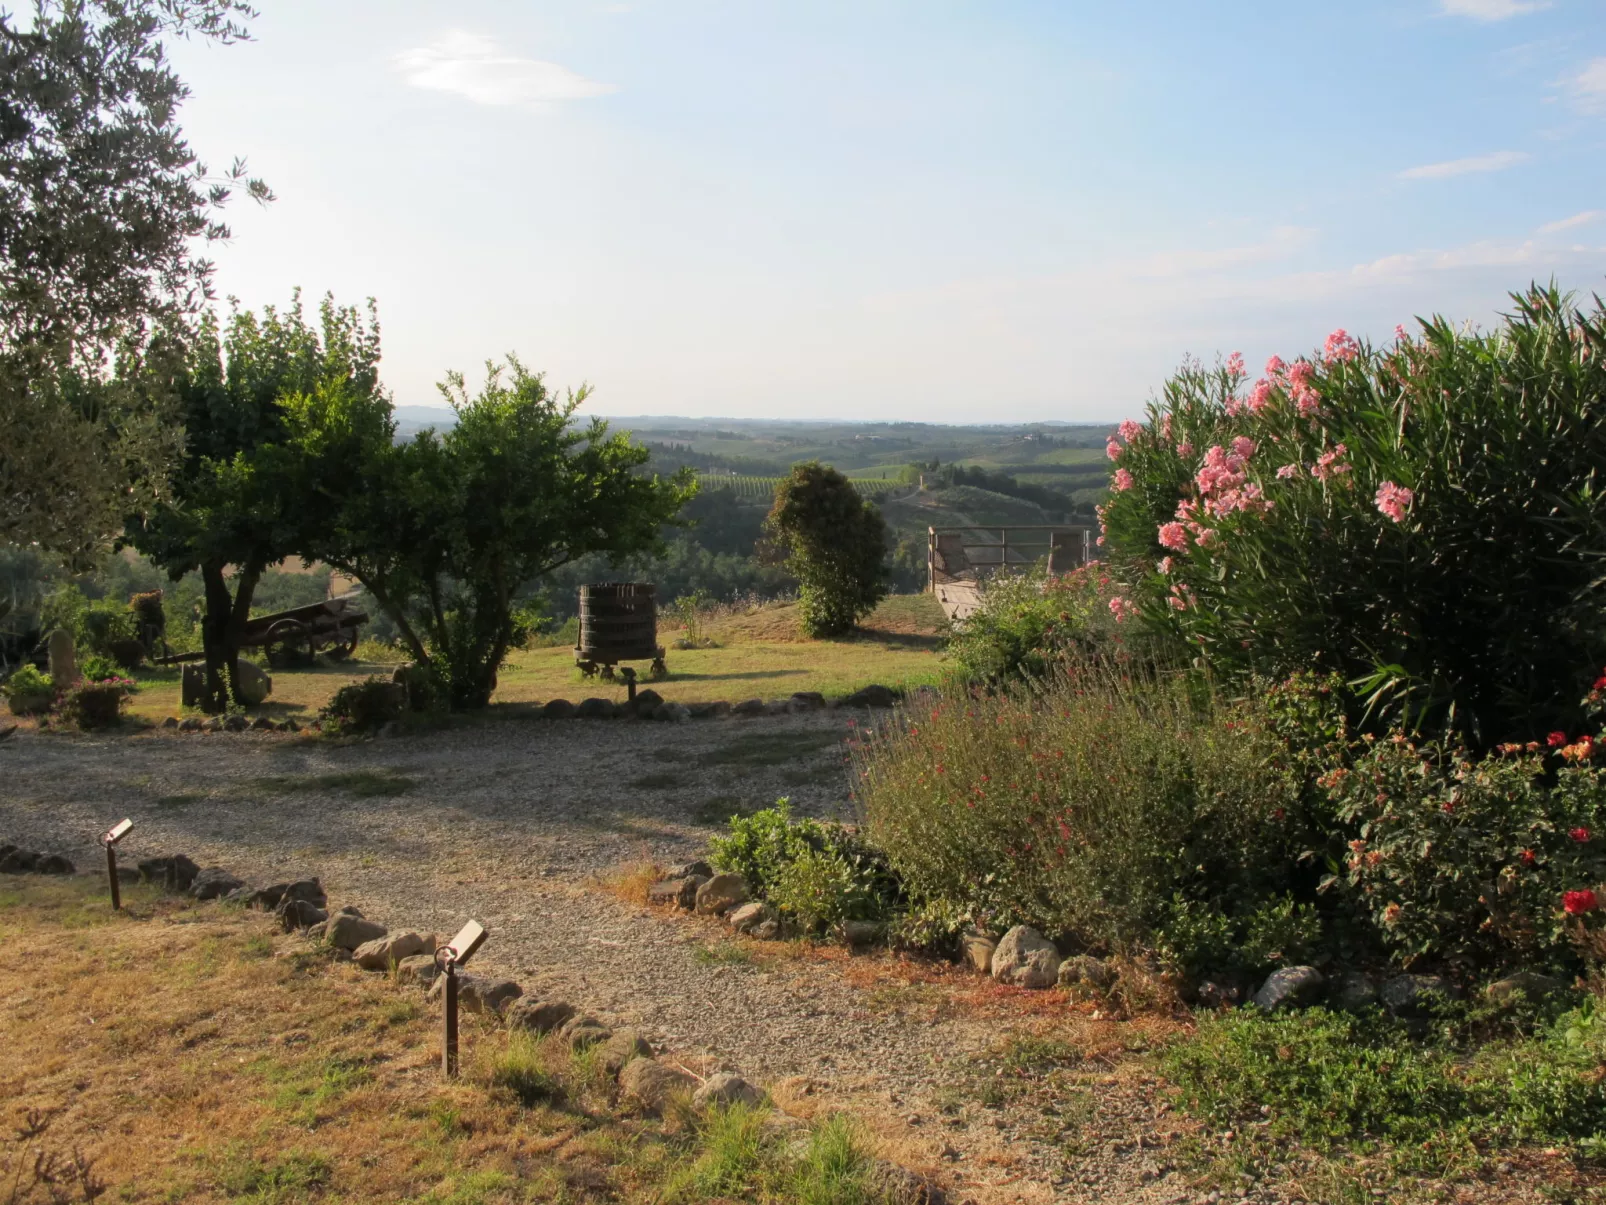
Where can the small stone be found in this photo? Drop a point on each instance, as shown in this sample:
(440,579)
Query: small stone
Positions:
(1025,958)
(310,890)
(170,722)
(709,711)
(596,709)
(647,701)
(672,713)
(1416,995)
(899,1186)
(52,864)
(477,995)
(749,707)
(381,953)
(582,1032)
(812,700)
(263,724)
(1353,991)
(743,917)
(417,968)
(687,869)
(856,934)
(538,1016)
(175,872)
(680,892)
(871,696)
(1525,984)
(299,914)
(1289,987)
(213,883)
(651,1084)
(558,709)
(234,723)
(289,726)
(724,1090)
(1085,974)
(978,951)
(1218,993)
(766,930)
(347,931)
(721,893)
(215,724)
(191,723)
(619,1049)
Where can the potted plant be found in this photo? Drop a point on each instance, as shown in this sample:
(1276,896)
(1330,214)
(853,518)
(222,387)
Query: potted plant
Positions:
(29,692)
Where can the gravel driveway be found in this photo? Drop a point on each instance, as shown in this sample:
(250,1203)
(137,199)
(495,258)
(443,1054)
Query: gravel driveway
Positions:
(512,822)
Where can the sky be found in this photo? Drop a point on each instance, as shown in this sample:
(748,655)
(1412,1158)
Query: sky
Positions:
(999,211)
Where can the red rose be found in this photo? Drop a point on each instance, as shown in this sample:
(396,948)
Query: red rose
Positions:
(1556,739)
(1579,835)
(1526,857)
(1578,902)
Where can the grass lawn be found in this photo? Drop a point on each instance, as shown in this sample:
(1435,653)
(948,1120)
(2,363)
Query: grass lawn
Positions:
(184,1052)
(760,655)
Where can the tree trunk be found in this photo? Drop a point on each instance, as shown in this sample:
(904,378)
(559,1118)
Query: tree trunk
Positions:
(214,639)
(245,586)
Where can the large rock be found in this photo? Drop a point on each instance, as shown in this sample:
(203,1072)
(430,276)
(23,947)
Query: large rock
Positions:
(192,691)
(895,1185)
(1416,995)
(1289,987)
(52,864)
(812,700)
(213,883)
(672,713)
(235,723)
(558,709)
(63,660)
(538,1016)
(1353,991)
(1085,975)
(175,872)
(646,702)
(623,1046)
(749,707)
(478,995)
(745,917)
(17,861)
(977,949)
(252,683)
(651,1084)
(723,1089)
(420,969)
(1524,985)
(270,897)
(721,893)
(857,934)
(382,952)
(583,1032)
(299,914)
(766,930)
(871,696)
(686,870)
(596,709)
(680,892)
(1025,958)
(347,931)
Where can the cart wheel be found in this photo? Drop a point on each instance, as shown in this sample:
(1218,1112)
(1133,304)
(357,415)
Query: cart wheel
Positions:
(281,642)
(659,670)
(340,651)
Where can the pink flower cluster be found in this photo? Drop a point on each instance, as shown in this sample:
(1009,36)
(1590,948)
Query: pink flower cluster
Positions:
(1128,431)
(1340,348)
(1330,464)
(1222,480)
(1173,536)
(1307,398)
(1181,597)
(1394,500)
(1121,608)
(1122,480)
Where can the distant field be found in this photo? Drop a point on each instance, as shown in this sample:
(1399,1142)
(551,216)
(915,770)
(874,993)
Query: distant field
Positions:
(764,487)
(761,656)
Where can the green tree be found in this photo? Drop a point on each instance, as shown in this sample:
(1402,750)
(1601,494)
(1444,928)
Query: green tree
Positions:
(448,532)
(102,205)
(278,413)
(834,542)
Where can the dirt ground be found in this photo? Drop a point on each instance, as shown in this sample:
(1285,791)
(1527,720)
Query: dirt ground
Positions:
(519,823)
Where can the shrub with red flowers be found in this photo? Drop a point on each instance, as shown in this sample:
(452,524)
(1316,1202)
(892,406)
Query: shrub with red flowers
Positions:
(1493,859)
(1419,517)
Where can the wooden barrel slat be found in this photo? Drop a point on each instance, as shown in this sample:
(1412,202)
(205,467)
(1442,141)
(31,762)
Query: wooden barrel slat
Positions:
(618,622)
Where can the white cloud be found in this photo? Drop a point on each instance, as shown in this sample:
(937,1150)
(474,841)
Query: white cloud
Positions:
(1588,87)
(1495,161)
(475,67)
(1490,10)
(1578,219)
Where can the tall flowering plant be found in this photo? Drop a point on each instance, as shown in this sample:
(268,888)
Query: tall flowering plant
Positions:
(1422,517)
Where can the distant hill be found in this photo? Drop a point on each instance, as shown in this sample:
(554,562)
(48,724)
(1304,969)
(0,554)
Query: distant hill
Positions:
(412,419)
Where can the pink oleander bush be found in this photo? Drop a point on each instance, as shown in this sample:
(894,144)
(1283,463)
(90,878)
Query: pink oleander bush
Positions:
(1425,518)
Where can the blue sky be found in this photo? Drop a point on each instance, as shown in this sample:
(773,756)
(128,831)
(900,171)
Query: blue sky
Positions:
(937,211)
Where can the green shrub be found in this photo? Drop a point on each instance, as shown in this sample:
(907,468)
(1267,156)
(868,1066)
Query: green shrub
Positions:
(1203,937)
(818,875)
(27,682)
(1457,857)
(1421,518)
(1084,806)
(1334,1078)
(835,544)
(522,1071)
(96,668)
(365,706)
(1027,624)
(96,704)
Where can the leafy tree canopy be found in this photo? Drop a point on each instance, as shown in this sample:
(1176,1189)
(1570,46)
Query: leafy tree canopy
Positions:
(834,542)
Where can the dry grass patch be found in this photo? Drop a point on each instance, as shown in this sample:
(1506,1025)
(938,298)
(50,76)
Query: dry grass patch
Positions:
(181,1052)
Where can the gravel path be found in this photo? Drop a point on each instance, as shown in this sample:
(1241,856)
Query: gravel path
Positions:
(512,823)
